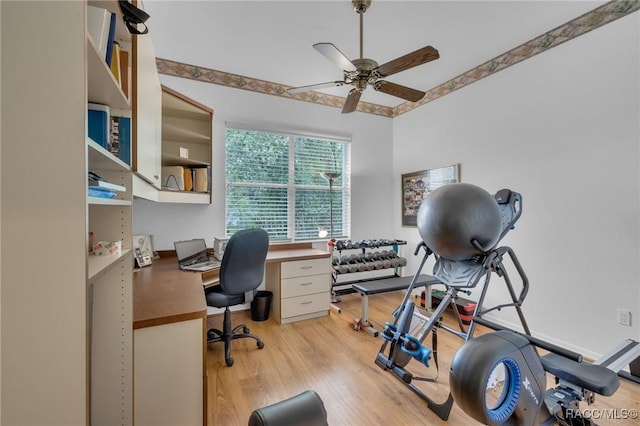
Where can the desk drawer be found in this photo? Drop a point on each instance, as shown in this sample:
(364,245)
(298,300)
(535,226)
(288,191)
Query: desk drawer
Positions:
(303,268)
(302,305)
(299,286)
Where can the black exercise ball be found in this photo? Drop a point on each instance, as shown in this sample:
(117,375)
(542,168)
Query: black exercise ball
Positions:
(454,215)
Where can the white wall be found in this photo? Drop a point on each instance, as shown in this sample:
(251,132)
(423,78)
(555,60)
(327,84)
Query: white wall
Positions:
(371,150)
(563,130)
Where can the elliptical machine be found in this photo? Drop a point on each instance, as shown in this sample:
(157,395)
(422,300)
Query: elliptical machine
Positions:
(497,378)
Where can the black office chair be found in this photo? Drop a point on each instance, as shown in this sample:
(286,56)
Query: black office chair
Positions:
(241,272)
(305,409)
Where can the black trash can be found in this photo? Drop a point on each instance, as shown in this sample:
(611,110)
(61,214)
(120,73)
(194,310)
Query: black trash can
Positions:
(261,305)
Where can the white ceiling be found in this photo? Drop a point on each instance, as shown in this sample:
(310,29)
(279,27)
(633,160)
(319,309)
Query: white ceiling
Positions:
(272,40)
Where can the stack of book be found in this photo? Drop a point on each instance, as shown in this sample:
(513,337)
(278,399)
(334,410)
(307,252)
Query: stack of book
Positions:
(111,132)
(179,178)
(98,187)
(120,138)
(101,25)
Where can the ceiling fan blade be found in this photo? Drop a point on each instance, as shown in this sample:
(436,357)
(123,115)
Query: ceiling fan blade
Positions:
(294,90)
(351,103)
(398,90)
(332,53)
(410,60)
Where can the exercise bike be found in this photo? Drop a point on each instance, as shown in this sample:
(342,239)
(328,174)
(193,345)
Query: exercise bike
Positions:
(497,378)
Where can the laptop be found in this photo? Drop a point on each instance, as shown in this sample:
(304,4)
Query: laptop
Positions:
(193,256)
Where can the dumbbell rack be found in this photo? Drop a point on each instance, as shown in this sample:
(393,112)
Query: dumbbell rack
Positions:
(357,261)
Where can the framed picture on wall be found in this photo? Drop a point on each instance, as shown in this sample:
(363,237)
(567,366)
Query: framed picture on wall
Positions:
(417,185)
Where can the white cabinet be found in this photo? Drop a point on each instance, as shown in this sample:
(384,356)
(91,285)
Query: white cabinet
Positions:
(109,277)
(301,289)
(66,316)
(174,136)
(168,368)
(186,146)
(147,111)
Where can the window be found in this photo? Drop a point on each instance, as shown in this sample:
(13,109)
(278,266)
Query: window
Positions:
(278,181)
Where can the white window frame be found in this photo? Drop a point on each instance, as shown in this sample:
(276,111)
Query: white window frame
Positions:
(291,186)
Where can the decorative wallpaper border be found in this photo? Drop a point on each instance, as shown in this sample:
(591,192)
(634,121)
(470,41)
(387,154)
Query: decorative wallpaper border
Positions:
(208,75)
(596,18)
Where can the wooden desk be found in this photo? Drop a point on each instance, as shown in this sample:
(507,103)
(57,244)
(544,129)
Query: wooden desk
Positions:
(169,339)
(276,255)
(170,329)
(163,294)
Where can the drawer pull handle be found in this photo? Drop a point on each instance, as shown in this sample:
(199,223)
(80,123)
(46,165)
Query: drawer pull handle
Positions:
(306,283)
(306,267)
(306,303)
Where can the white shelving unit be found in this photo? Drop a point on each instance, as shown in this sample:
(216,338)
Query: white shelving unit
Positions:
(109,277)
(67,354)
(186,127)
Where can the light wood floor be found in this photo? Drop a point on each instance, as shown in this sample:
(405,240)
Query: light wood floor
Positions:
(328,356)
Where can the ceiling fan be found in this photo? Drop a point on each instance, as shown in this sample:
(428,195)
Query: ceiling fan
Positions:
(362,71)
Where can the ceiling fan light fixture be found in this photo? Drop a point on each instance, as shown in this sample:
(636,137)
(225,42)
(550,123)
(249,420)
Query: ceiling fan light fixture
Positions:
(362,72)
(360,6)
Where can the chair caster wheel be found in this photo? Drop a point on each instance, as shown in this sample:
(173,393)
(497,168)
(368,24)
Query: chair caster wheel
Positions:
(246,330)
(260,345)
(229,362)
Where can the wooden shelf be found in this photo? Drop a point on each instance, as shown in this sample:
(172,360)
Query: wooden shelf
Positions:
(102,86)
(122,33)
(186,197)
(175,160)
(98,201)
(97,265)
(186,124)
(183,134)
(177,105)
(101,159)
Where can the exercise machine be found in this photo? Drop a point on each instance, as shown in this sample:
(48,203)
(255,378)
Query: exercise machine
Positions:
(469,259)
(499,377)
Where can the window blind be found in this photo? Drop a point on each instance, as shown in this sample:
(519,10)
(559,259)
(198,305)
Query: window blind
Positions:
(276,181)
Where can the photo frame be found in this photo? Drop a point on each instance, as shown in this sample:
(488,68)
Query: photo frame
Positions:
(143,250)
(417,185)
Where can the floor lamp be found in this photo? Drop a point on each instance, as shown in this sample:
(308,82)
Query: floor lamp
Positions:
(331,176)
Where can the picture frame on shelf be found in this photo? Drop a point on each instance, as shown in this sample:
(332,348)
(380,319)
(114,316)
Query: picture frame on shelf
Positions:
(417,185)
(143,250)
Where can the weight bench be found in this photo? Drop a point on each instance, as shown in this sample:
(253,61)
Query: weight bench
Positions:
(384,285)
